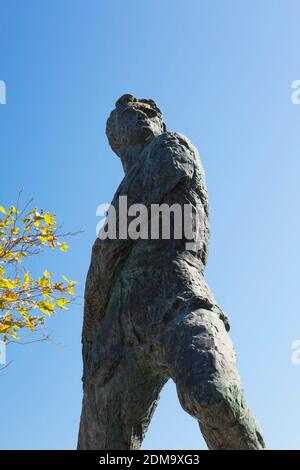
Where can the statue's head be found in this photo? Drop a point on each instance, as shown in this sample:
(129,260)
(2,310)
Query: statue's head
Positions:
(133,122)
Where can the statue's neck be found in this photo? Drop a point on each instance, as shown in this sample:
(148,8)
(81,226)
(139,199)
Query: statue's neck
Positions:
(131,155)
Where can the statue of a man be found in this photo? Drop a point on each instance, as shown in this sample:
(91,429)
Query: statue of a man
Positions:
(149,314)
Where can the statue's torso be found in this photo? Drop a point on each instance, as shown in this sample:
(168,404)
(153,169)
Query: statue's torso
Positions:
(165,265)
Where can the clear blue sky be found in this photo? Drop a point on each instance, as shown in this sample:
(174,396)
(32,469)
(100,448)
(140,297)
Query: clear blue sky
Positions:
(221,72)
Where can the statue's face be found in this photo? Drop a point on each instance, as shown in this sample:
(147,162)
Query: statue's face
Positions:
(134,123)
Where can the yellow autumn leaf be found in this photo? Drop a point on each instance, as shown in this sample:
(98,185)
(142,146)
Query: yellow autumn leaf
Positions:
(43,240)
(2,210)
(71,289)
(10,296)
(51,239)
(49,219)
(46,306)
(15,231)
(4,328)
(26,278)
(63,246)
(61,303)
(43,282)
(6,283)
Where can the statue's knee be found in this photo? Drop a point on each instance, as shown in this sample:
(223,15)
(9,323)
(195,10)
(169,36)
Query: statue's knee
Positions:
(197,395)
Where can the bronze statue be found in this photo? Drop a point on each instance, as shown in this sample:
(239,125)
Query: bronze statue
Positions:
(149,314)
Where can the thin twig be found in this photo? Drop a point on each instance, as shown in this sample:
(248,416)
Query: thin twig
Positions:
(6,365)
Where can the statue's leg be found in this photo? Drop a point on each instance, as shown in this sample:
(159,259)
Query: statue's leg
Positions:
(120,388)
(116,413)
(198,352)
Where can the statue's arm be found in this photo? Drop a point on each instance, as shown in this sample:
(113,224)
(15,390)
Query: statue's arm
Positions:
(171,161)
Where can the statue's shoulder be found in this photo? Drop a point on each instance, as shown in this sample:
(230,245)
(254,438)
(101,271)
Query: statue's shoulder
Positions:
(173,143)
(175,149)
(172,139)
